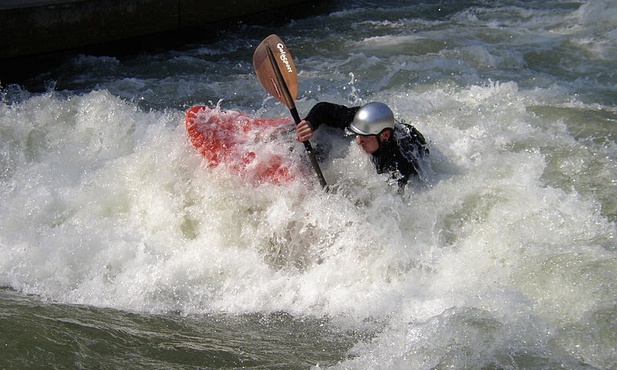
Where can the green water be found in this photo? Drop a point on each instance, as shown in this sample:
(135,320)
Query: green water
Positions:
(43,335)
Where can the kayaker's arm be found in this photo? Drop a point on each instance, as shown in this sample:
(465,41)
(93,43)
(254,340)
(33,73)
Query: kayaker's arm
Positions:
(324,113)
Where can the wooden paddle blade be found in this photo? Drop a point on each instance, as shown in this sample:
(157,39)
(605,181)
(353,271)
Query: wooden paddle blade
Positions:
(276,71)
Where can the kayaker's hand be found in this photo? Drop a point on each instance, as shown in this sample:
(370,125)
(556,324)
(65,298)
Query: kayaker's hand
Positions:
(304,131)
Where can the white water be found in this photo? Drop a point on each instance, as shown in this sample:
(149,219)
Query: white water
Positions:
(506,258)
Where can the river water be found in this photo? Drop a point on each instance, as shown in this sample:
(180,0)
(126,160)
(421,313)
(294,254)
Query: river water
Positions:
(120,248)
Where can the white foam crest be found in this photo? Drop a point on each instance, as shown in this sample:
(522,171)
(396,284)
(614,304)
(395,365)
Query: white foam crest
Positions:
(600,14)
(498,254)
(118,210)
(595,30)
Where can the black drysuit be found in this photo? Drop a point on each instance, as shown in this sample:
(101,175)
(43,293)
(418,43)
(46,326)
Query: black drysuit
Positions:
(401,155)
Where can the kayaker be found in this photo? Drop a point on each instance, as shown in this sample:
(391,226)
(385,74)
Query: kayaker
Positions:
(395,148)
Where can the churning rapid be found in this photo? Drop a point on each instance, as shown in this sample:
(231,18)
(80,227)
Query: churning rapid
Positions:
(120,247)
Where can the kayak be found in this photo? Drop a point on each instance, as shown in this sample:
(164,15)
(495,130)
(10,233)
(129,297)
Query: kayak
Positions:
(247,146)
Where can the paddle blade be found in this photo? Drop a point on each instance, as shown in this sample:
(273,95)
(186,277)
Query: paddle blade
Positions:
(276,71)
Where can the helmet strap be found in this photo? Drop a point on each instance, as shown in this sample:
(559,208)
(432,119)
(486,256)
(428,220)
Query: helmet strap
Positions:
(379,141)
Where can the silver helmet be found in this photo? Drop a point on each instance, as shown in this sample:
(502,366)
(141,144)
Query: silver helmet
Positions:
(372,119)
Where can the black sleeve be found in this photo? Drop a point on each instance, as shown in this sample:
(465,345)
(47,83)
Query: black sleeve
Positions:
(330,114)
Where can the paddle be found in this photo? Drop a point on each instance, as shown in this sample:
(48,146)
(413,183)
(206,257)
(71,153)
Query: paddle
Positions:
(276,71)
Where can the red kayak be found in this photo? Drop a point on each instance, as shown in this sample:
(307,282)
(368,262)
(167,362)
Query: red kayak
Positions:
(242,143)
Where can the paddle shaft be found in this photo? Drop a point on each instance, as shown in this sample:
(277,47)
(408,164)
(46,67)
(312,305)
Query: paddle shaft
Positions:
(309,151)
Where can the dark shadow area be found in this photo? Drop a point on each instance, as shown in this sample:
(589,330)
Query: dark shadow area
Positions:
(21,69)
